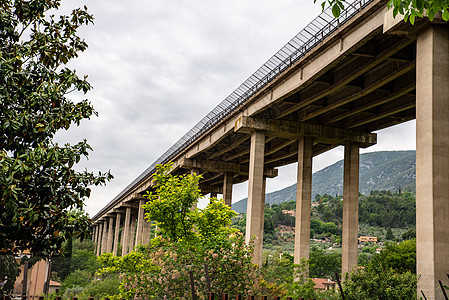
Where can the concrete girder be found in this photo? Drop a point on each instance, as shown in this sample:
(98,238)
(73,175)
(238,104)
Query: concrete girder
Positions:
(294,130)
(222,167)
(377,102)
(363,92)
(350,77)
(206,189)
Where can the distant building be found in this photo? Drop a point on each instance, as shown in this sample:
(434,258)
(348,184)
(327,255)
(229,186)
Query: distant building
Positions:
(323,284)
(289,212)
(367,239)
(35,281)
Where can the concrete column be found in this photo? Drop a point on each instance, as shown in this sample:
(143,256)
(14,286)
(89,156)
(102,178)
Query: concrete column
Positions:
(100,230)
(255,194)
(104,237)
(116,233)
(303,199)
(227,188)
(350,208)
(140,223)
(126,231)
(110,235)
(432,160)
(146,231)
(132,234)
(262,219)
(192,172)
(93,234)
(97,239)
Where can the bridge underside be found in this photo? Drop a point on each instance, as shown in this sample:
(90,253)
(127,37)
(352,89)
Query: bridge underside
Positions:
(368,89)
(360,79)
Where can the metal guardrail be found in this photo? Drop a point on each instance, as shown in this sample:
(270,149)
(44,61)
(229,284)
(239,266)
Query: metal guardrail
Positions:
(307,39)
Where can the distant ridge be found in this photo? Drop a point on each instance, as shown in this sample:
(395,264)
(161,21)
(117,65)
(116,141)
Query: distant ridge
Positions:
(382,170)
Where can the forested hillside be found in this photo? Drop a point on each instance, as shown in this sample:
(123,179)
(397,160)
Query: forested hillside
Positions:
(384,170)
(386,215)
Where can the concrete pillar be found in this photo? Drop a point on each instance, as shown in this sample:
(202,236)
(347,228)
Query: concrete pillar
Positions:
(100,230)
(262,219)
(126,231)
(255,194)
(350,208)
(104,237)
(432,160)
(146,231)
(93,234)
(140,223)
(227,188)
(97,239)
(303,199)
(192,172)
(116,233)
(110,235)
(132,234)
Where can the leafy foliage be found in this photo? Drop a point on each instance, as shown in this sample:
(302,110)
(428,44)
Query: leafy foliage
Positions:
(389,275)
(191,244)
(410,9)
(39,187)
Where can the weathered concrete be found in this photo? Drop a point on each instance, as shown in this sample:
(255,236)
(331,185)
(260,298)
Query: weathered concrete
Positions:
(117,233)
(146,231)
(350,208)
(97,239)
(256,194)
(294,130)
(219,167)
(432,160)
(110,234)
(104,237)
(303,199)
(126,231)
(227,188)
(132,233)
(195,171)
(140,222)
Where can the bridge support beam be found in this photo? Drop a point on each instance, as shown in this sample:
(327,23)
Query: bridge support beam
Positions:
(140,221)
(126,230)
(110,235)
(104,237)
(97,239)
(256,195)
(350,208)
(227,188)
(116,233)
(432,160)
(132,234)
(303,199)
(146,231)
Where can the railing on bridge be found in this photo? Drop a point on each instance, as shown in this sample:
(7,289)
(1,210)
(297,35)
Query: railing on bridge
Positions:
(307,39)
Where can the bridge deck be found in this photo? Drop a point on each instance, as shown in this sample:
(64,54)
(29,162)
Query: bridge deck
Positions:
(354,77)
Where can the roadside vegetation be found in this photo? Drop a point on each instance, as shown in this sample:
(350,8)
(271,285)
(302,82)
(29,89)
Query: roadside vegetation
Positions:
(205,248)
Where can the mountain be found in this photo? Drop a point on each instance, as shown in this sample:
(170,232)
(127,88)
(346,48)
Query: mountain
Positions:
(383,170)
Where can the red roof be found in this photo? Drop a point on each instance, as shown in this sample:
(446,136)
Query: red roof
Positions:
(322,283)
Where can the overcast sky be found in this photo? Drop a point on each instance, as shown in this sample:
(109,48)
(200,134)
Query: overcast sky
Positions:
(159,66)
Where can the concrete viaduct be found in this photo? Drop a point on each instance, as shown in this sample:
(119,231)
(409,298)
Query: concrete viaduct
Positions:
(334,83)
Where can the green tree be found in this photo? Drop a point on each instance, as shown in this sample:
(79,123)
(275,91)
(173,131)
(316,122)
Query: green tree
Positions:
(400,257)
(411,9)
(389,235)
(190,241)
(38,183)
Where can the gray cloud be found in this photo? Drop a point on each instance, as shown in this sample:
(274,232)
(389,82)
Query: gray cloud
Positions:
(158,67)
